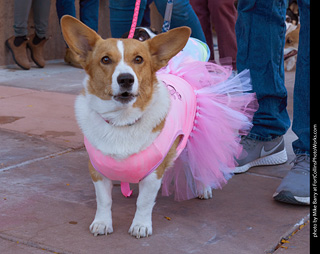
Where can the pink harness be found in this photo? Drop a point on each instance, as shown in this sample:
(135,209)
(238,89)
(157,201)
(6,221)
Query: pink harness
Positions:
(179,121)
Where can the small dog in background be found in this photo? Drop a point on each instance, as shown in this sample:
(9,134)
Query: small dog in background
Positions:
(142,33)
(292,36)
(292,14)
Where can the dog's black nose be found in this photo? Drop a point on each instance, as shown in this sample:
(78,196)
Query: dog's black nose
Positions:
(125,80)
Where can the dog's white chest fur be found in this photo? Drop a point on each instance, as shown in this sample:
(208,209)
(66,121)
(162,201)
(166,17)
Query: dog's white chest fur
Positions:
(120,141)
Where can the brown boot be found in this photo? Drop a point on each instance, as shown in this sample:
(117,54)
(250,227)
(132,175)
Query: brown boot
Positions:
(19,53)
(37,51)
(72,59)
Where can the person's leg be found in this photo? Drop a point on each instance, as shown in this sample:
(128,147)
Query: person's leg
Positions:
(65,7)
(17,44)
(21,14)
(89,13)
(223,16)
(260,31)
(121,14)
(295,186)
(301,109)
(146,21)
(182,15)
(41,12)
(201,9)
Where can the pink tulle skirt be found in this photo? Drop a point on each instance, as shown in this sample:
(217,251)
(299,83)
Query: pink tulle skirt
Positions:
(225,108)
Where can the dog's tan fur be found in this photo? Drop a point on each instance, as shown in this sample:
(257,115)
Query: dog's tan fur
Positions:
(168,160)
(95,175)
(292,38)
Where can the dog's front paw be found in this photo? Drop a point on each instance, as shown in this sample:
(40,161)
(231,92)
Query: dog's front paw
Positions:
(207,193)
(100,228)
(140,230)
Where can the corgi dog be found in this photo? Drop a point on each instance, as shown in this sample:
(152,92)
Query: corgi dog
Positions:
(121,88)
(291,47)
(137,121)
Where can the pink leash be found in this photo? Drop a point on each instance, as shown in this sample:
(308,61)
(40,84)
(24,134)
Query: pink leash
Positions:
(134,19)
(125,187)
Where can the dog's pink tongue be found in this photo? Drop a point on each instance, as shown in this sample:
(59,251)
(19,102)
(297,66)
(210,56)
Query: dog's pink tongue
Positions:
(290,54)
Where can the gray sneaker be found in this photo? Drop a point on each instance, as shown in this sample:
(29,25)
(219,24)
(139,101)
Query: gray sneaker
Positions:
(295,186)
(258,153)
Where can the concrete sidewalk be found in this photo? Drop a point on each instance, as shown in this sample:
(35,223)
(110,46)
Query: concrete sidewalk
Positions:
(47,199)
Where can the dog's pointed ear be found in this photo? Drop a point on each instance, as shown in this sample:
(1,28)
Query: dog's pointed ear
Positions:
(166,45)
(80,38)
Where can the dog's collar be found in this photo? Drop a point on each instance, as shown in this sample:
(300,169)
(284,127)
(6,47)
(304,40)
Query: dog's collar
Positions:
(125,125)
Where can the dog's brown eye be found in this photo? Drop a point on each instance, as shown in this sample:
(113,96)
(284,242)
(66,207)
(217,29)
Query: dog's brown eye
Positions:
(106,60)
(138,60)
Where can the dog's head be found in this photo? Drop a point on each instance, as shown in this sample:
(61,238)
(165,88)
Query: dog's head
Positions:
(292,14)
(291,43)
(142,33)
(291,47)
(122,72)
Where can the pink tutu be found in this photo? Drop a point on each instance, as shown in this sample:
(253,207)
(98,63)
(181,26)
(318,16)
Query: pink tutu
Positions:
(225,108)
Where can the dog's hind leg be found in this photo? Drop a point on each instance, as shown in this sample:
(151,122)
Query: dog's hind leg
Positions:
(207,193)
(102,223)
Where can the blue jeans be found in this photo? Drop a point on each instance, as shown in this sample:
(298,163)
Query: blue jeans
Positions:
(121,13)
(301,99)
(89,11)
(260,31)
